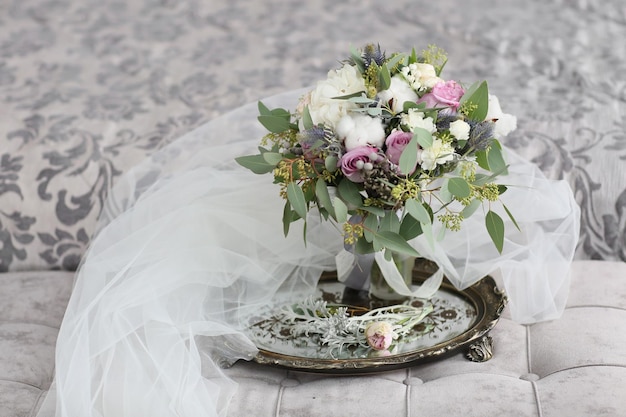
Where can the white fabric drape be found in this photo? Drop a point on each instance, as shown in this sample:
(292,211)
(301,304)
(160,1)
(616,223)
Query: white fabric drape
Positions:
(190,244)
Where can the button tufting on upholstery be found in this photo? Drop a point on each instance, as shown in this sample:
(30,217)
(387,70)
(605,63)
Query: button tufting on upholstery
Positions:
(530,377)
(289,383)
(413,381)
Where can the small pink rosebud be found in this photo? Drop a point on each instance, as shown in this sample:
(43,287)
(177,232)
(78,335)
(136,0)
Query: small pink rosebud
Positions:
(379,335)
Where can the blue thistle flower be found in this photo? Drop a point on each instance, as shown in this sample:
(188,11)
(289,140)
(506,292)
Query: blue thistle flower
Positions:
(311,138)
(371,54)
(316,139)
(444,120)
(481,135)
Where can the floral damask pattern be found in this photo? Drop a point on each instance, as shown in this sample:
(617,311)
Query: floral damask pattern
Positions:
(90,88)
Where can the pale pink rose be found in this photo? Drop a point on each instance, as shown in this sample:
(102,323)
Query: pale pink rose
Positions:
(444,94)
(379,335)
(355,162)
(396,142)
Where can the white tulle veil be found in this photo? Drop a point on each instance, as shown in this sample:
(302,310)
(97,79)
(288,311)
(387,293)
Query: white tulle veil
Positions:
(190,243)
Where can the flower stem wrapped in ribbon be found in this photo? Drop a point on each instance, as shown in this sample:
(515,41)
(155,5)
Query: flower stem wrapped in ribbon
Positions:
(384,139)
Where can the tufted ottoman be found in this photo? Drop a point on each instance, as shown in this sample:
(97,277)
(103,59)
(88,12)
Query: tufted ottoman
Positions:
(574,366)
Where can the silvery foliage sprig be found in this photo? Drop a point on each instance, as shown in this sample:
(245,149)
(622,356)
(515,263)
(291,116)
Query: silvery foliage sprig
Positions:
(337,329)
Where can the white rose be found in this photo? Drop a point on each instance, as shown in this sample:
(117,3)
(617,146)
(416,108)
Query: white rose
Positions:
(505,123)
(323,107)
(438,153)
(399,91)
(460,129)
(414,118)
(360,130)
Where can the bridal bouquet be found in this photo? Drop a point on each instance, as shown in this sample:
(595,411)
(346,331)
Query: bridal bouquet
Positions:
(385,147)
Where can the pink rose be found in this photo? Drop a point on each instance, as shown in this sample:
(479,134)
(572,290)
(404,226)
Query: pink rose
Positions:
(396,142)
(444,94)
(355,162)
(379,335)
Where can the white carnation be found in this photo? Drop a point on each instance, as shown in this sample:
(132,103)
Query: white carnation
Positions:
(460,129)
(360,130)
(505,123)
(439,153)
(323,107)
(414,118)
(399,91)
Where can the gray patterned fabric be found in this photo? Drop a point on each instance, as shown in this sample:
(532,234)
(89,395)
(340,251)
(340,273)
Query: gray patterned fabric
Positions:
(89,88)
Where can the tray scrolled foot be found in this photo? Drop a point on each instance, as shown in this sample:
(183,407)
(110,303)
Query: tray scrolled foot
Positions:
(481,350)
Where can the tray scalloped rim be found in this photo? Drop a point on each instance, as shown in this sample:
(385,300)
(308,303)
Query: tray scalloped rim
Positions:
(487,298)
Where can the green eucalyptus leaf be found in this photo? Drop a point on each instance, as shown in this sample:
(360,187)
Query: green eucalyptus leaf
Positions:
(481,159)
(417,210)
(410,228)
(341,210)
(511,217)
(358,60)
(263,109)
(349,96)
(330,163)
(444,194)
(471,208)
(408,157)
(278,112)
(482,179)
(362,246)
(410,105)
(323,196)
(376,211)
(390,222)
(374,111)
(324,213)
(361,99)
(307,121)
(495,227)
(384,77)
(255,163)
(424,137)
(309,194)
(495,159)
(458,187)
(275,124)
(395,60)
(477,95)
(296,198)
(272,157)
(394,242)
(349,192)
(370,227)
(492,160)
(287,218)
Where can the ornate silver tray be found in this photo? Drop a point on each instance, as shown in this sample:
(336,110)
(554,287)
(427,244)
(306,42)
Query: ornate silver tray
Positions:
(459,321)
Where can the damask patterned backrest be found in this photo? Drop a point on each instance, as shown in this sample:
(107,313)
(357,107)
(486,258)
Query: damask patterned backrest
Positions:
(89,88)
(85,94)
